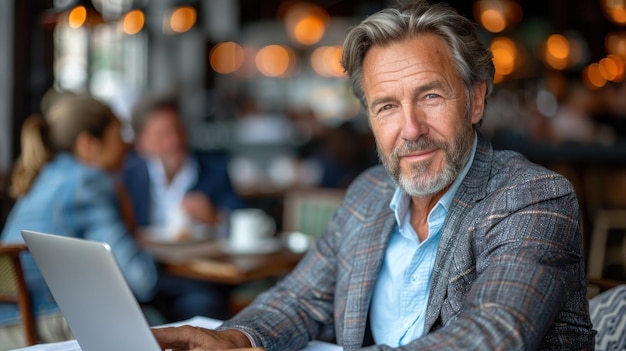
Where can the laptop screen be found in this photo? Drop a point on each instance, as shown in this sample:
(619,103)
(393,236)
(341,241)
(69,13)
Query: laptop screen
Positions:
(91,292)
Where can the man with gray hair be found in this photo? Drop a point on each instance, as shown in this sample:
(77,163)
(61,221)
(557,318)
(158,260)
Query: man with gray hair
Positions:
(448,245)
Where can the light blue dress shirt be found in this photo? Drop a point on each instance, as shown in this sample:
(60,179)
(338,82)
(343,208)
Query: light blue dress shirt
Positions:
(398,308)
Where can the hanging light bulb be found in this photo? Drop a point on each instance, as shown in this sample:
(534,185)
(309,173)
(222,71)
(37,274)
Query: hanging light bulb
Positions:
(181,19)
(306,23)
(77,17)
(74,15)
(133,22)
(615,10)
(497,15)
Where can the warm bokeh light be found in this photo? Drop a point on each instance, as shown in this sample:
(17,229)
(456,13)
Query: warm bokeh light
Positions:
(497,15)
(615,43)
(498,78)
(504,54)
(557,51)
(493,20)
(77,17)
(612,68)
(274,60)
(133,22)
(309,30)
(226,57)
(326,61)
(305,23)
(621,67)
(592,76)
(182,19)
(608,69)
(615,10)
(558,46)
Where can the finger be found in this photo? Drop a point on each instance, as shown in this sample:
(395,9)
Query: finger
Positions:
(174,337)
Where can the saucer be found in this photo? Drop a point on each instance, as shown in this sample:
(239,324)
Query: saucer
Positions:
(262,247)
(161,235)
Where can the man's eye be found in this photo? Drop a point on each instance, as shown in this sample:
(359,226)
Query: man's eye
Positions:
(385,107)
(431,96)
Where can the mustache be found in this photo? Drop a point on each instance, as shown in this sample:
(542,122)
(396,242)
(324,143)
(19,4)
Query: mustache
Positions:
(411,146)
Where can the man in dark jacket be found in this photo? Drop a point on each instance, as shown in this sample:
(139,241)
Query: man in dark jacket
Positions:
(180,192)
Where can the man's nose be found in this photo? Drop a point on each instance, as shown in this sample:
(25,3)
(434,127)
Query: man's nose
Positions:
(413,123)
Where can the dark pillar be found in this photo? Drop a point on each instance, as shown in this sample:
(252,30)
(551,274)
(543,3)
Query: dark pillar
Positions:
(33,57)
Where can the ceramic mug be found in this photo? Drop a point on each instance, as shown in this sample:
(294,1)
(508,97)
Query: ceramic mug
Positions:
(250,228)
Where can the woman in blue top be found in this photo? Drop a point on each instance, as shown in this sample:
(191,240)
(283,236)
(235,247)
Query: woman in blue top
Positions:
(64,185)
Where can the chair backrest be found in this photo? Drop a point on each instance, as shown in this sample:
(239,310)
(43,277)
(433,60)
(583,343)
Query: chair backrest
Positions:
(608,316)
(13,287)
(309,210)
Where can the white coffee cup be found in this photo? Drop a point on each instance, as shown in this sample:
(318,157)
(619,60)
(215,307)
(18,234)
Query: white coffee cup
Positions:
(250,228)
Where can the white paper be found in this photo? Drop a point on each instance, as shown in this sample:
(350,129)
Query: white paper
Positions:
(71,345)
(202,322)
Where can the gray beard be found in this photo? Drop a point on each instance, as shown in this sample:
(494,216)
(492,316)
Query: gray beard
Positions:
(419,183)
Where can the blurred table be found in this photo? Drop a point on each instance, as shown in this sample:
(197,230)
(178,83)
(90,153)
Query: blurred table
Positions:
(209,260)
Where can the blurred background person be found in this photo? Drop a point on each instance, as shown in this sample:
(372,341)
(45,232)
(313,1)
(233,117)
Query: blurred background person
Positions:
(187,193)
(64,185)
(164,175)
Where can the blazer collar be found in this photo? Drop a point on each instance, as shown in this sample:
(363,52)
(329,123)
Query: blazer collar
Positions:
(472,190)
(474,185)
(369,253)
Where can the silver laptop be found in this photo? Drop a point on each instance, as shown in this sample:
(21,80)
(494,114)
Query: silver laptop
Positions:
(92,293)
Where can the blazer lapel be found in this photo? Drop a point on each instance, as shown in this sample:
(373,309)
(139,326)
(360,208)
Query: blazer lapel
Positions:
(369,253)
(471,191)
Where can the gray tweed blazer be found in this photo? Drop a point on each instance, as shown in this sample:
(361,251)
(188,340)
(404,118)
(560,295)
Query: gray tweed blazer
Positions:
(509,272)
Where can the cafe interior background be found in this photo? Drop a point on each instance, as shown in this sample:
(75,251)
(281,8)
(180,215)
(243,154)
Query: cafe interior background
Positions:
(261,80)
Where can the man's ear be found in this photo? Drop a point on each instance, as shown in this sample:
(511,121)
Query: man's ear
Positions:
(478,102)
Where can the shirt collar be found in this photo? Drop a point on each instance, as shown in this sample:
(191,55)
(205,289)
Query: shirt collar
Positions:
(187,175)
(400,201)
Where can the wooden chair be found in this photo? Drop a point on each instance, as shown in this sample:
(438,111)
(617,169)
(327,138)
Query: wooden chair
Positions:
(606,205)
(13,287)
(604,221)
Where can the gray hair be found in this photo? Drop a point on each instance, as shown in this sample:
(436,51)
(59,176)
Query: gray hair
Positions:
(472,59)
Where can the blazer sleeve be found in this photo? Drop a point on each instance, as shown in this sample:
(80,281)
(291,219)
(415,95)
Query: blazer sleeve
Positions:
(299,308)
(311,302)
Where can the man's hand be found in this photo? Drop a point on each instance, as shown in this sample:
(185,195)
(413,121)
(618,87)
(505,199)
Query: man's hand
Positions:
(199,339)
(198,206)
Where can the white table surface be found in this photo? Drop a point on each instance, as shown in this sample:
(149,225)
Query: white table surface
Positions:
(203,322)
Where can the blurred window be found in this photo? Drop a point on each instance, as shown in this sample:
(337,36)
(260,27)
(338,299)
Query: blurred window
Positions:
(98,56)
